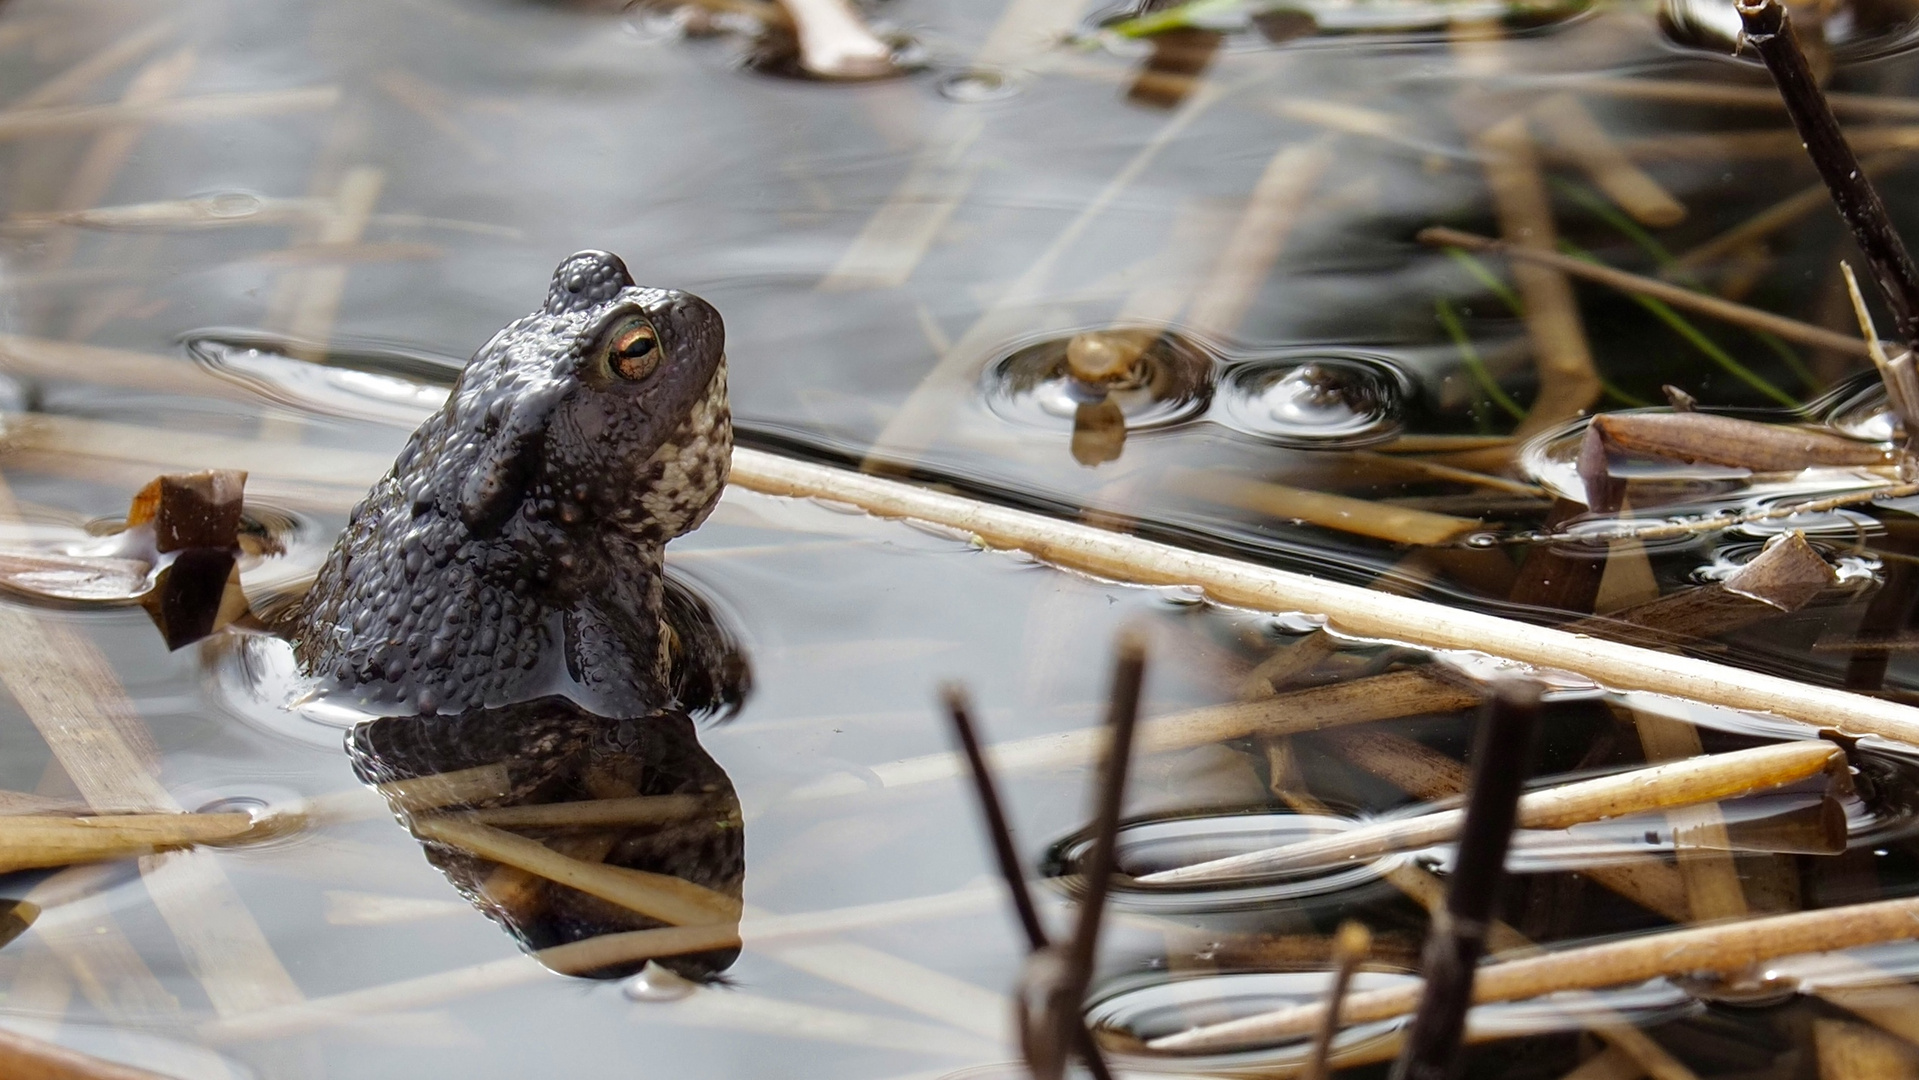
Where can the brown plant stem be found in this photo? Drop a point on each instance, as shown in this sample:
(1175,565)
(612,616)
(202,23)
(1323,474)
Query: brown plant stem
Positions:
(1639,285)
(1122,720)
(1458,936)
(1768,30)
(997,828)
(1008,858)
(1350,946)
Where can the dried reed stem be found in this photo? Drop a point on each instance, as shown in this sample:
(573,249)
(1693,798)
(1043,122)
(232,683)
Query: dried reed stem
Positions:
(1704,779)
(1725,949)
(1897,373)
(1713,93)
(1568,382)
(1425,889)
(1353,701)
(64,87)
(594,813)
(66,119)
(1669,529)
(1635,284)
(1646,880)
(1778,216)
(1350,608)
(1851,1051)
(113,147)
(23,1057)
(35,842)
(1274,208)
(1579,137)
(591,954)
(1362,517)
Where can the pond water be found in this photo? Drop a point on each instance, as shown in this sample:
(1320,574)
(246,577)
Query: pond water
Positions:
(1049,267)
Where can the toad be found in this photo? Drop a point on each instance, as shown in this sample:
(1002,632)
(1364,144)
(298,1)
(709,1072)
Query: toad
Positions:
(515,550)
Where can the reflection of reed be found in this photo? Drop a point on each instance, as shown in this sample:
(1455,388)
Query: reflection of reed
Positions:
(610,842)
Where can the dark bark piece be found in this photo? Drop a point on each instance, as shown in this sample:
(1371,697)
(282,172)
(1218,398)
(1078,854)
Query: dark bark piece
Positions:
(1178,60)
(191,510)
(1785,577)
(1694,438)
(1819,829)
(1704,439)
(1501,753)
(1560,577)
(198,593)
(15,917)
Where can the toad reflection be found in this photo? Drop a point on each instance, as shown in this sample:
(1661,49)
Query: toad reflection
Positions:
(642,823)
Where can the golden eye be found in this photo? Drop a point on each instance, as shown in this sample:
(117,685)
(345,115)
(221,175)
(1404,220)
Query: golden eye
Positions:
(633,351)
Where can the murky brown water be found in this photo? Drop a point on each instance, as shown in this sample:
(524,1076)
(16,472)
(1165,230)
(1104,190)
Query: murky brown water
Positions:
(276,254)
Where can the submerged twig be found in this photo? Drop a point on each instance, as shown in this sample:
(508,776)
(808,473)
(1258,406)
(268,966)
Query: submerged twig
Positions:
(1350,946)
(1738,314)
(1457,938)
(1768,30)
(1777,216)
(1562,356)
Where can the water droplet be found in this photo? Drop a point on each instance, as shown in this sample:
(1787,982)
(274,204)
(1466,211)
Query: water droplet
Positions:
(234,204)
(656,983)
(233,804)
(1316,400)
(977,86)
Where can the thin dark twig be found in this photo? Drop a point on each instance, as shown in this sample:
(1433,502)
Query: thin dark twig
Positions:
(1458,935)
(1121,720)
(1769,30)
(996,826)
(1007,856)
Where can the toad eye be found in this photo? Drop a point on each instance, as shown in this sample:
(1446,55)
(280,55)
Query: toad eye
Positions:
(633,350)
